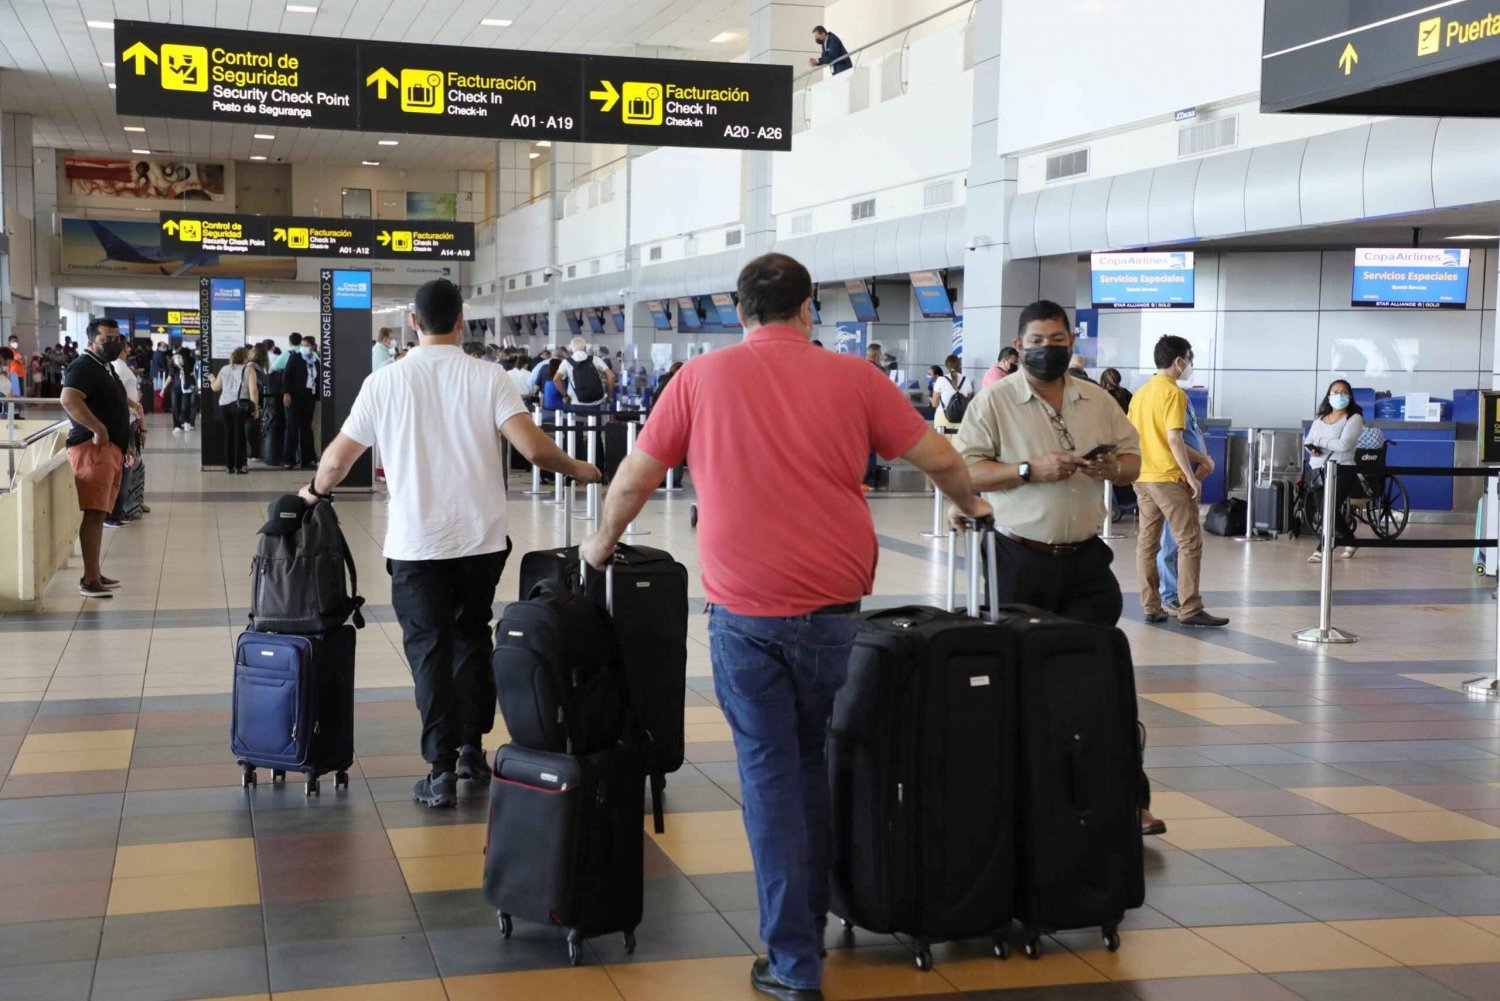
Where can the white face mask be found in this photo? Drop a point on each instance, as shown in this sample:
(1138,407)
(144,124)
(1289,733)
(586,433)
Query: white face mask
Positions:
(1187,373)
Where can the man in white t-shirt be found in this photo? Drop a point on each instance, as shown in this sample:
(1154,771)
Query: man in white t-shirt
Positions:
(575,383)
(514,363)
(437,419)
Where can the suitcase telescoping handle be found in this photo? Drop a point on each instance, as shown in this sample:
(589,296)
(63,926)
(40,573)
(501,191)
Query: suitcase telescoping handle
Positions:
(583,568)
(977,532)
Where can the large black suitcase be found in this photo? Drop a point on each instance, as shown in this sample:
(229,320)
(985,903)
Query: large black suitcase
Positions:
(1272,510)
(920,759)
(1079,759)
(564,844)
(649,608)
(293,705)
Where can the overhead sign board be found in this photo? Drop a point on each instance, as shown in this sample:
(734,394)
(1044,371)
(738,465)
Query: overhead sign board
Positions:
(1400,57)
(219,75)
(309,236)
(1411,278)
(1142,281)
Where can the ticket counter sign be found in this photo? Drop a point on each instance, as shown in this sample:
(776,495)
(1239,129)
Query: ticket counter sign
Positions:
(179,71)
(1142,281)
(671,102)
(310,236)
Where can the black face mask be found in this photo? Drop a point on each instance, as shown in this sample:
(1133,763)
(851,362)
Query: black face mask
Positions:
(1048,363)
(110,350)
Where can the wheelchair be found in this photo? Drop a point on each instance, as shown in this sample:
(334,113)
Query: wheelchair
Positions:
(1378,499)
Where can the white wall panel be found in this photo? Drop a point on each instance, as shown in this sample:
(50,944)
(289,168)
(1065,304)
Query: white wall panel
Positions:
(1332,176)
(1053,211)
(1273,186)
(1219,198)
(1463,163)
(1088,215)
(524,239)
(593,233)
(1399,178)
(1170,214)
(682,191)
(1280,281)
(1129,210)
(1022,224)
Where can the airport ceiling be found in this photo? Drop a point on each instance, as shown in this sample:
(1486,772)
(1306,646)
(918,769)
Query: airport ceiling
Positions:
(56,68)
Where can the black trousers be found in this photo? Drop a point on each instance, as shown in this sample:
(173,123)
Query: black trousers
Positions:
(297,446)
(183,411)
(444,608)
(1348,484)
(275,441)
(1080,586)
(234,435)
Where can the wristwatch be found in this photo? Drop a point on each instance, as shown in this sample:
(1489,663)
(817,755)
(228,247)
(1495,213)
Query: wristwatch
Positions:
(312,488)
(1025,471)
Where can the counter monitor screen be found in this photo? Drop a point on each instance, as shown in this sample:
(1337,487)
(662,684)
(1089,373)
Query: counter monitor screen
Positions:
(862,302)
(595,321)
(1411,278)
(932,295)
(575,325)
(1142,281)
(617,314)
(661,319)
(724,305)
(687,315)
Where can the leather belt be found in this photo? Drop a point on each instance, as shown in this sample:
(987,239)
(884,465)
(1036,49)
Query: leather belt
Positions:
(848,608)
(1046,548)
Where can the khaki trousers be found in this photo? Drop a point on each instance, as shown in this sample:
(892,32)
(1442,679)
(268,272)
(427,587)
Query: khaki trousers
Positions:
(1172,503)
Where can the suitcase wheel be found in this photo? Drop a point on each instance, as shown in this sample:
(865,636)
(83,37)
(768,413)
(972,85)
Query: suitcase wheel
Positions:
(341,780)
(693,516)
(278,775)
(630,942)
(312,788)
(1112,939)
(1033,948)
(506,927)
(247,775)
(924,958)
(846,923)
(1002,946)
(574,941)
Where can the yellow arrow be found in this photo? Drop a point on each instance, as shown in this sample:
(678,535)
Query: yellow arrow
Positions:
(608,95)
(278,234)
(170,226)
(140,52)
(383,78)
(384,238)
(1348,59)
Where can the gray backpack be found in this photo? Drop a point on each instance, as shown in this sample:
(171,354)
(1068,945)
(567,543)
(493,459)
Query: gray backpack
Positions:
(305,581)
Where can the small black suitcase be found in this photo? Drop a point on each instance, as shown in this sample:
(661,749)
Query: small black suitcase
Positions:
(1272,510)
(1079,758)
(921,765)
(565,840)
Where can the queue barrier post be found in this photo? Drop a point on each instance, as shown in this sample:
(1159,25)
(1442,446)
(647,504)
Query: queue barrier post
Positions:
(630,432)
(1109,513)
(1489,686)
(591,492)
(938,532)
(536,470)
(1325,632)
(1252,470)
(572,450)
(560,438)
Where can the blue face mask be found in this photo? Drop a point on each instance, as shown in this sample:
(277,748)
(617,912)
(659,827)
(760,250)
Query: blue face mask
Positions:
(307,352)
(1338,401)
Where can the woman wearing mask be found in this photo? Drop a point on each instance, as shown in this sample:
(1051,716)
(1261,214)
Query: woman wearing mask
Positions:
(949,382)
(183,388)
(238,392)
(1333,436)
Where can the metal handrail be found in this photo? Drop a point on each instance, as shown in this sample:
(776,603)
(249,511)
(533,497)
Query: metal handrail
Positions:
(21,444)
(906,30)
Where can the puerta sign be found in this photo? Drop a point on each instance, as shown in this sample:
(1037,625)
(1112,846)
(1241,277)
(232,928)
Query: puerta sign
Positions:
(1379,57)
(219,75)
(310,236)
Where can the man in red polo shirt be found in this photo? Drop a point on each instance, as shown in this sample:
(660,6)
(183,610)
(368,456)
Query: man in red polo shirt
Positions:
(776,432)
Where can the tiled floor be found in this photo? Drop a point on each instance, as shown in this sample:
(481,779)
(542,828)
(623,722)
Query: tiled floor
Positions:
(1334,815)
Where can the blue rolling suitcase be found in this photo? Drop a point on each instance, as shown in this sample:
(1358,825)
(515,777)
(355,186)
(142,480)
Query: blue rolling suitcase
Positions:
(294,705)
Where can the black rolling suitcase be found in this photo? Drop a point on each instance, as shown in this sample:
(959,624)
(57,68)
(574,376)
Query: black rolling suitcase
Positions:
(1080,860)
(649,609)
(920,759)
(1273,507)
(564,844)
(293,705)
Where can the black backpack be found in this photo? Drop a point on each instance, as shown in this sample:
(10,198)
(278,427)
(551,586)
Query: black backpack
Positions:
(958,405)
(298,580)
(588,384)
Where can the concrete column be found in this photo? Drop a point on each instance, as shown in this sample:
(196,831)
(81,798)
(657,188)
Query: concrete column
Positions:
(780,32)
(996,287)
(19,188)
(512,175)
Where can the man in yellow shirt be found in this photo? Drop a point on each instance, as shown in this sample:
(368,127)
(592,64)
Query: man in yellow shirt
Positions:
(1167,489)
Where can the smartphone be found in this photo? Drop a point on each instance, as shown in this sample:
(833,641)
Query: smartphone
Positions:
(1099,450)
(1315,450)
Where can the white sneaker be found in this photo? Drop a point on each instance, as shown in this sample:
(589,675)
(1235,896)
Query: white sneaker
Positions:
(177,430)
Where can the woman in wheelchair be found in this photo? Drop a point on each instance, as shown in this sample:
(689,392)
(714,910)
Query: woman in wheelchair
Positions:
(1333,436)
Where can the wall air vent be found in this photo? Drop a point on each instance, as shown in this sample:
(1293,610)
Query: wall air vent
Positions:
(1205,137)
(511,284)
(802,223)
(734,238)
(1069,164)
(937,193)
(593,267)
(654,254)
(572,271)
(862,210)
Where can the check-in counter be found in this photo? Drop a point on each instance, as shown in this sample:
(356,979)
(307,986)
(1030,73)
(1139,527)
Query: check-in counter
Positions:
(39,514)
(1217,433)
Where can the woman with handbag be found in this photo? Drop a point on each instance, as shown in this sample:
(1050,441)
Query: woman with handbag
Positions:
(238,392)
(260,367)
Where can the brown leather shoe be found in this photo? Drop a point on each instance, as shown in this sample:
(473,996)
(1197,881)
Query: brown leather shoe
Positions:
(1151,825)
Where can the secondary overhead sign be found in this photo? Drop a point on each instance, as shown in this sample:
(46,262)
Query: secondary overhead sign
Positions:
(298,236)
(331,83)
(1410,57)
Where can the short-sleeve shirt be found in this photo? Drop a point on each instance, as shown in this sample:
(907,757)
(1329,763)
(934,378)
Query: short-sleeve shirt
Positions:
(566,371)
(437,419)
(1009,422)
(105,396)
(1158,407)
(776,433)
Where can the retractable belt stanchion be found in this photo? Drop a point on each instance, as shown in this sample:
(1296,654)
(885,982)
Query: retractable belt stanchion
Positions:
(630,432)
(536,470)
(572,450)
(1109,513)
(937,502)
(591,492)
(560,439)
(1325,631)
(1489,686)
(1252,467)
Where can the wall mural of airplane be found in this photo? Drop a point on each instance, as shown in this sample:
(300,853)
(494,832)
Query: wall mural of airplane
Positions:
(116,248)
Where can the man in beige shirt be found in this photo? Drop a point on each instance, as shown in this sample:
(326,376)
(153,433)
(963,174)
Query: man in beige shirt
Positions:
(1039,447)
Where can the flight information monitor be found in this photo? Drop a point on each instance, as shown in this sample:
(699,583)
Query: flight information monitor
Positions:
(1411,278)
(1143,280)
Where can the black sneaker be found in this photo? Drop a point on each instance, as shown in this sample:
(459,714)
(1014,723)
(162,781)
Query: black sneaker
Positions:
(763,980)
(472,765)
(94,589)
(114,523)
(109,583)
(440,790)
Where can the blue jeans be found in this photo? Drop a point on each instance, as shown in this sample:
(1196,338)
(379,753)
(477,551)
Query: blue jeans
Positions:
(1166,565)
(775,679)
